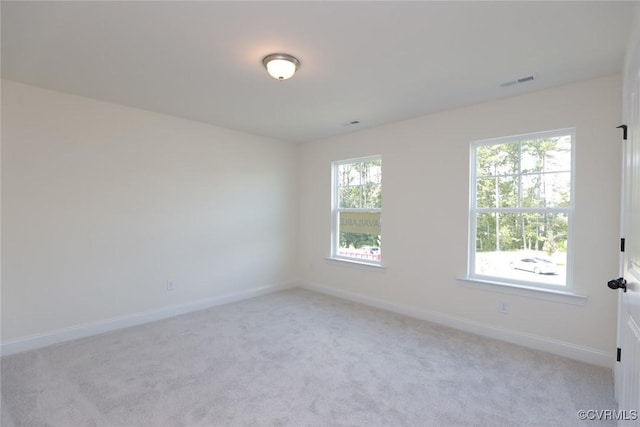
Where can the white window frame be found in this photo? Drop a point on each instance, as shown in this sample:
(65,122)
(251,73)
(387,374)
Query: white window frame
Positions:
(473,210)
(335,213)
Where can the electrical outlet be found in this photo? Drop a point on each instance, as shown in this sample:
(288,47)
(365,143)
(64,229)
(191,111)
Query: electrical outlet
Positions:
(503,307)
(170,285)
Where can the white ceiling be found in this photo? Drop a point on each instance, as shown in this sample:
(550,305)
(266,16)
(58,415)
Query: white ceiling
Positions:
(376,62)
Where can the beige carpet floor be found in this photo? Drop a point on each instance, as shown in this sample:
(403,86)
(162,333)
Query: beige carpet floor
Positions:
(296,358)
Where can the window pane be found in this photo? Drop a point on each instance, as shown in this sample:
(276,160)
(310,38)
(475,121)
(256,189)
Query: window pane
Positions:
(372,196)
(350,197)
(359,222)
(546,190)
(348,174)
(532,191)
(499,159)
(529,247)
(360,185)
(359,245)
(485,232)
(372,172)
(485,193)
(497,192)
(498,231)
(547,155)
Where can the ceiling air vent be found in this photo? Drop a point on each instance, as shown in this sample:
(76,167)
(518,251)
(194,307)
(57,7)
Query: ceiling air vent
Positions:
(517,81)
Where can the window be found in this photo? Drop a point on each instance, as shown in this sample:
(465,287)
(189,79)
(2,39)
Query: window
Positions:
(521,209)
(356,210)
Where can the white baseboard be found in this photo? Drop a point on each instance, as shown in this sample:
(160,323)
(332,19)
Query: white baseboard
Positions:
(33,342)
(549,345)
(561,348)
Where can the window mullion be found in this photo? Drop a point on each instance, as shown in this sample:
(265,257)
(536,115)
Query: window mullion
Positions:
(519,204)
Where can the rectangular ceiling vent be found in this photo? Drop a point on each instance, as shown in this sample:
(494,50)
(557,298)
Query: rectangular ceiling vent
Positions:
(517,81)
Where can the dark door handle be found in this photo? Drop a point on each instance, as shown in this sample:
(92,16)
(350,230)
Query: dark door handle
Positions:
(618,283)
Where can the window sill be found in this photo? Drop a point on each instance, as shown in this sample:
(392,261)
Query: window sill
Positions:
(553,295)
(356,263)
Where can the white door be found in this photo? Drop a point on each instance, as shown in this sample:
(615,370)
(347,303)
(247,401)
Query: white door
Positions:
(627,372)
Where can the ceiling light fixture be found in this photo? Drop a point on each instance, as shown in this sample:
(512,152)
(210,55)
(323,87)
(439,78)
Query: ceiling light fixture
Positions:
(280,65)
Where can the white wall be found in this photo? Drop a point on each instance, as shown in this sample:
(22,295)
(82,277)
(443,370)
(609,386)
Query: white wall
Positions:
(631,53)
(425,205)
(101,204)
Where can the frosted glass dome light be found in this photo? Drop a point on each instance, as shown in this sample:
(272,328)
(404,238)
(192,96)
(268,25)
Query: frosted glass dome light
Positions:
(280,65)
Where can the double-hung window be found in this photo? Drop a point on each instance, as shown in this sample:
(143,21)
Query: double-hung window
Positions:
(356,210)
(521,207)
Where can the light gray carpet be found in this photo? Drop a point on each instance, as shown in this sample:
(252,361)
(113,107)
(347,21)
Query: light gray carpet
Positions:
(296,358)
